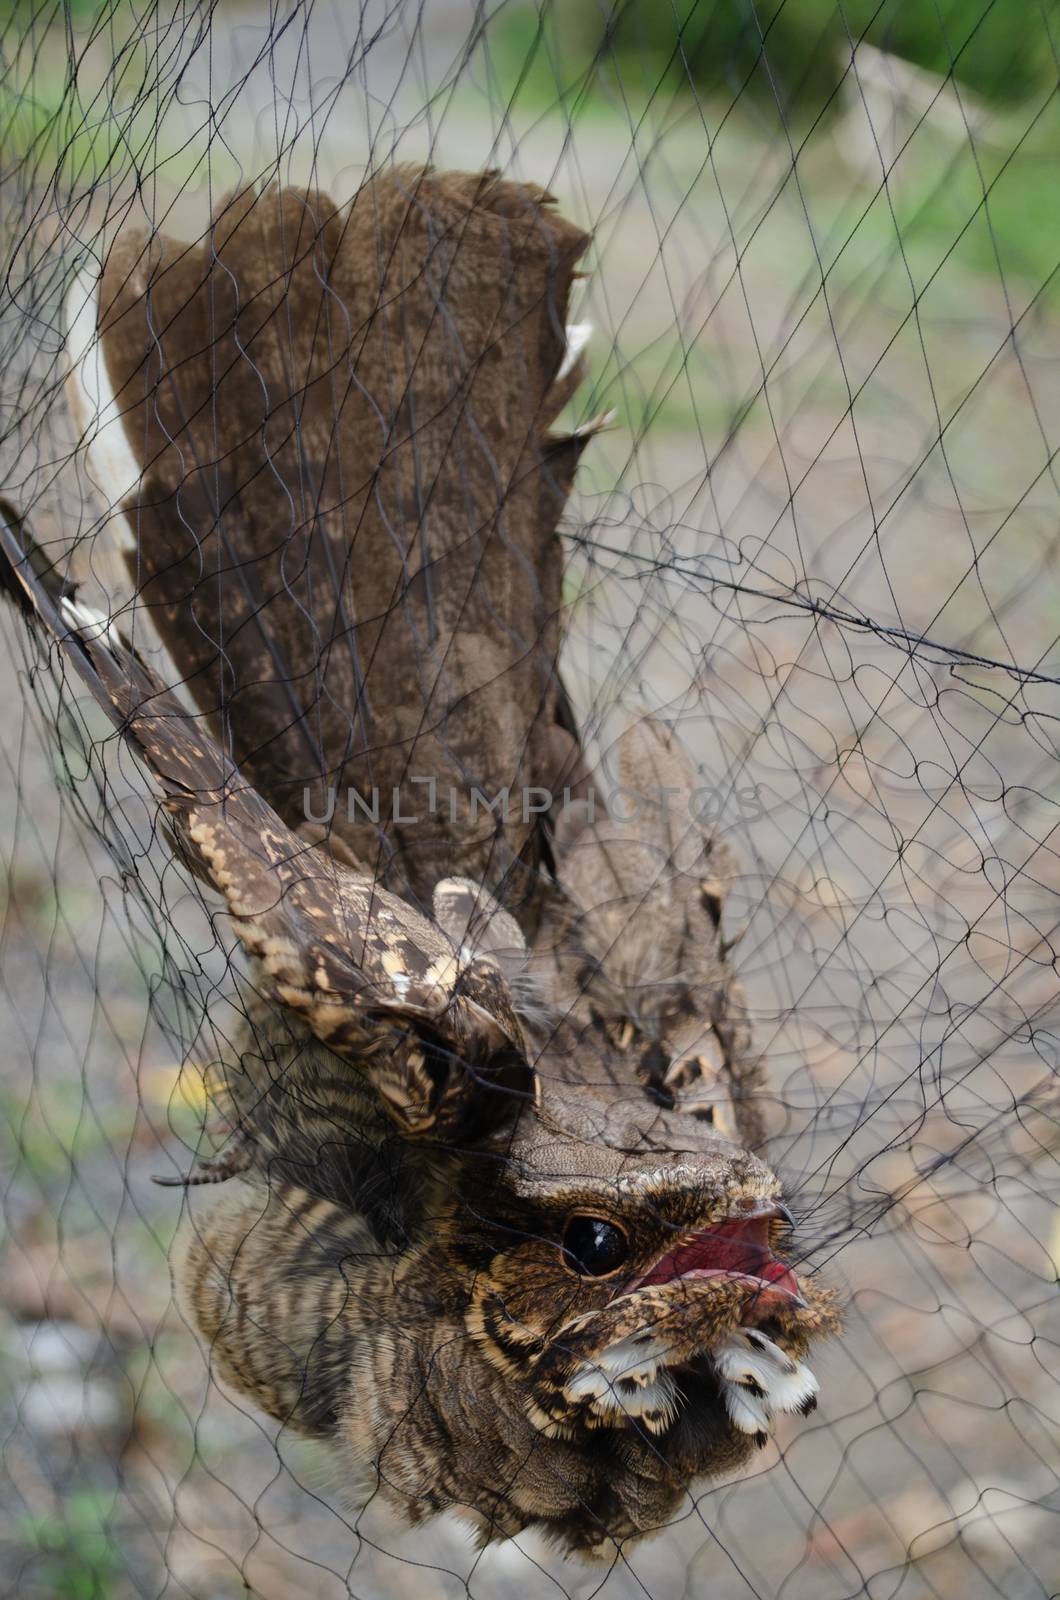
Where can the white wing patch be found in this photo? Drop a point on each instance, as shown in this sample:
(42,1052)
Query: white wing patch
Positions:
(112,468)
(88,623)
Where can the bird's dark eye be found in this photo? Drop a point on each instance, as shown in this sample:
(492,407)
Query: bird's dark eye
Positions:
(593,1246)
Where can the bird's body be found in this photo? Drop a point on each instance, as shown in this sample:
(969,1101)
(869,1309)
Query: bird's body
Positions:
(489,1218)
(296,1303)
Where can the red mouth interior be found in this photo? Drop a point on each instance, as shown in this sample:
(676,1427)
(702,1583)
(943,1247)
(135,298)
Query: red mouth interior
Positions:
(736,1248)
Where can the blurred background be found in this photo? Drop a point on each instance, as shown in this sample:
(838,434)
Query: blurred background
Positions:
(821,535)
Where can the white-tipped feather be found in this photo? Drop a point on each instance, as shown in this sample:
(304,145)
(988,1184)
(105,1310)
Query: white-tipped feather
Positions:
(111,466)
(657,1400)
(746,1411)
(754,1367)
(749,1347)
(795,1393)
(757,1379)
(578,336)
(635,1395)
(90,624)
(627,1380)
(595,424)
(630,1355)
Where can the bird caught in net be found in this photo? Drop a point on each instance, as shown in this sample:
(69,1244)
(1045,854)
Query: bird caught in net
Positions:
(529,917)
(498,1238)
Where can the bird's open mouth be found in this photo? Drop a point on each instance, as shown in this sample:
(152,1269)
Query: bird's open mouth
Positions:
(738,1248)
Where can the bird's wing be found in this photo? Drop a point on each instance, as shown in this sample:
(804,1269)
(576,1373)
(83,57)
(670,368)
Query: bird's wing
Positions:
(329,430)
(637,940)
(365,970)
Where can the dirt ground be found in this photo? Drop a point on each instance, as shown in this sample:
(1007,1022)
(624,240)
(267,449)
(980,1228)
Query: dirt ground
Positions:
(822,535)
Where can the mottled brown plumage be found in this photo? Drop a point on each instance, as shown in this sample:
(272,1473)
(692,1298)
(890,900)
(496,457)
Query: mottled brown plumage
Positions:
(499,1233)
(436,1307)
(448,1399)
(345,525)
(634,939)
(378,983)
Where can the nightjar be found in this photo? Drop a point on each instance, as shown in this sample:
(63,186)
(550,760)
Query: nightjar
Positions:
(489,1215)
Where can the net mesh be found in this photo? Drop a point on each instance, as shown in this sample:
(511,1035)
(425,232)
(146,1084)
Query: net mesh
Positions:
(820,537)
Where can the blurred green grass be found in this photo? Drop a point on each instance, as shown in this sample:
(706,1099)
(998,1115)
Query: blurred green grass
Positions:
(966,205)
(72,1553)
(43,124)
(769,72)
(786,52)
(963,220)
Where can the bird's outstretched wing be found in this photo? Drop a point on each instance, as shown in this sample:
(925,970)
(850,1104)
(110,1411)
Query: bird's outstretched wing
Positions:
(328,429)
(432,1028)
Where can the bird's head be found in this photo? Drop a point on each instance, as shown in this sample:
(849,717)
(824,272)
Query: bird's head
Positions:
(633,1268)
